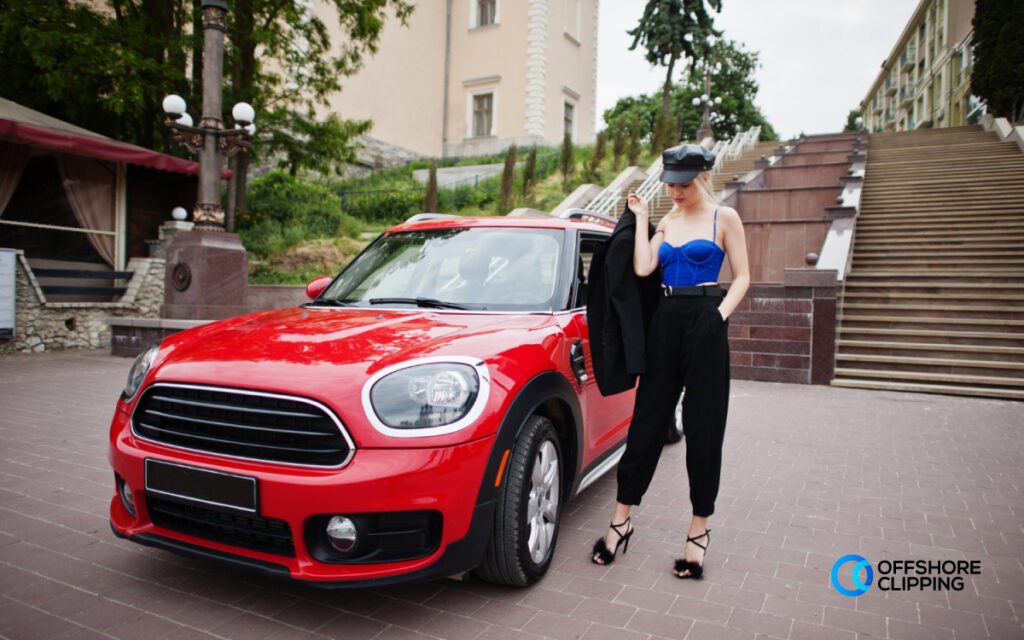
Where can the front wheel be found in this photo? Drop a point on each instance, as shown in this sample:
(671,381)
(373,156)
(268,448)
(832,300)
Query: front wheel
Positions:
(526,517)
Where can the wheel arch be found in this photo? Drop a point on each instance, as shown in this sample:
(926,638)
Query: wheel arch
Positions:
(551,395)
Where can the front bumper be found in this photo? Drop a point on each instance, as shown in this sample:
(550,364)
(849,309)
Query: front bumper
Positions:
(446,480)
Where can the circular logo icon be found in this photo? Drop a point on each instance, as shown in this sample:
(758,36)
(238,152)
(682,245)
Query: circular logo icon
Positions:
(859,586)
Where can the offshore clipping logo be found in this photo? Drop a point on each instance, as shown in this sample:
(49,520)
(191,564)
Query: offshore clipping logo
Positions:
(860,586)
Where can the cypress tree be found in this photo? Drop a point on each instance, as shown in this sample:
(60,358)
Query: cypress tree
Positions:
(508,180)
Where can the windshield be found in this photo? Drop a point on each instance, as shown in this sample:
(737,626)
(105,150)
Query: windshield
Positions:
(495,269)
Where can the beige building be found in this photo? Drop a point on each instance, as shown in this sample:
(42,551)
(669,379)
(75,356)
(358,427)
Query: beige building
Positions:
(925,81)
(470,77)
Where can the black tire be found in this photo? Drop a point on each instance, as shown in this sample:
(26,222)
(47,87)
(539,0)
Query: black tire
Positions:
(674,429)
(508,559)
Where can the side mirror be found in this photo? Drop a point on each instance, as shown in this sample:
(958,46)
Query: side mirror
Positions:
(317,286)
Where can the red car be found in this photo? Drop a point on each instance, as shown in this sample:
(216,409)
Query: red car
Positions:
(429,412)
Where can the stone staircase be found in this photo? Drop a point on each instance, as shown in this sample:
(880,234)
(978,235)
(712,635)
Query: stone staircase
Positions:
(744,163)
(934,301)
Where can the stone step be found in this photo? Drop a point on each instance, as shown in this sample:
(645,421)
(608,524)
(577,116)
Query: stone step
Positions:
(987,325)
(922,387)
(1010,299)
(933,366)
(961,336)
(936,286)
(930,349)
(989,275)
(961,254)
(860,262)
(940,305)
(951,234)
(966,226)
(939,244)
(881,220)
(923,376)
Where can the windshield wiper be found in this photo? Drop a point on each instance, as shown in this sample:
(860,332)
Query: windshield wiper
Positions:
(419,302)
(330,302)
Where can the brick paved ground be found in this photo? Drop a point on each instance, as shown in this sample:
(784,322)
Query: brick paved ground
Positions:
(811,473)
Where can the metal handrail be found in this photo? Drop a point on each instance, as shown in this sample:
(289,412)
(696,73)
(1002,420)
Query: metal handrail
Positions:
(605,201)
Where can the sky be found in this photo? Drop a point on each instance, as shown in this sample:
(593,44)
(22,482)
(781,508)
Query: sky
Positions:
(818,57)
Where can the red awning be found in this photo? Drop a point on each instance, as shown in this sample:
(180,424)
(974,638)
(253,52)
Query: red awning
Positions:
(97,147)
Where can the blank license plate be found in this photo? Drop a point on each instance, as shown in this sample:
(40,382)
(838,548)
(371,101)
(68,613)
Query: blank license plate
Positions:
(201,486)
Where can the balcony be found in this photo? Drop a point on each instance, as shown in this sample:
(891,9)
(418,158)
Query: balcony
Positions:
(890,86)
(909,58)
(888,115)
(876,107)
(906,95)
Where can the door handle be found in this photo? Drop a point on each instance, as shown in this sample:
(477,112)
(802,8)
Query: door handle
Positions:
(578,361)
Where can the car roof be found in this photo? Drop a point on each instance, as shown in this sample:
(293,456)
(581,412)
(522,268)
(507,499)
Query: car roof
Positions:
(501,222)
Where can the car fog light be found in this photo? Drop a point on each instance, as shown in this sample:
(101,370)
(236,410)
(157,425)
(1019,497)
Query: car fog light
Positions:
(342,533)
(125,491)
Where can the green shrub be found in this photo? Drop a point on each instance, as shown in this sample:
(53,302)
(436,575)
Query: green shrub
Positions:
(282,211)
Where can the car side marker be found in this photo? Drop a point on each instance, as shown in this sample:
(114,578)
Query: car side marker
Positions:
(501,468)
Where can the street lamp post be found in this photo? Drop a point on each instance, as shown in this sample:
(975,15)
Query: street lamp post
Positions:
(207,269)
(210,141)
(705,103)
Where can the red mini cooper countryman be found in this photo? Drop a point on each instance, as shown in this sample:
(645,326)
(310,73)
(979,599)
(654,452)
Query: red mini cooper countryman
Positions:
(428,413)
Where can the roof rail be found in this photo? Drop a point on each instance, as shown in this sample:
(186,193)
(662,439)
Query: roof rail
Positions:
(420,217)
(589,216)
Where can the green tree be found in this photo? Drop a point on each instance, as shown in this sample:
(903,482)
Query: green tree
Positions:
(597,158)
(430,199)
(633,149)
(530,172)
(670,29)
(852,123)
(508,181)
(998,73)
(106,65)
(618,144)
(568,163)
(734,83)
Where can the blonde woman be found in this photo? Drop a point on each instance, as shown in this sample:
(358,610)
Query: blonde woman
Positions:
(687,347)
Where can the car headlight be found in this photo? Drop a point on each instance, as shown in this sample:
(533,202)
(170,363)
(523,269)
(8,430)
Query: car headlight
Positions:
(414,400)
(138,371)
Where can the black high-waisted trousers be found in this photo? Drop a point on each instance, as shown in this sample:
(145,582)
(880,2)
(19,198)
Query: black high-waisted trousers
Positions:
(687,346)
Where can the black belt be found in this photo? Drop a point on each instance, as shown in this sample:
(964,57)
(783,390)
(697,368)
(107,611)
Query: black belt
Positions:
(714,291)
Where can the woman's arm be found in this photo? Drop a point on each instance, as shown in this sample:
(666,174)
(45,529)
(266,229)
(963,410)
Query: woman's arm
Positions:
(645,252)
(736,248)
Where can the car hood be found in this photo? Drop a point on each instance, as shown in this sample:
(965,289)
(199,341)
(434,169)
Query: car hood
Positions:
(307,350)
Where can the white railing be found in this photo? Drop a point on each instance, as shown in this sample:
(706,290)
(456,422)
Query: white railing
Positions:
(650,188)
(605,201)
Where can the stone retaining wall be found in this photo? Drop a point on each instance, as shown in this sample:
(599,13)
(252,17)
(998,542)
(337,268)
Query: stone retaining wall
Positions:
(50,326)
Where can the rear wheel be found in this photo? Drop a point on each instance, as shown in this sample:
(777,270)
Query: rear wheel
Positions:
(526,517)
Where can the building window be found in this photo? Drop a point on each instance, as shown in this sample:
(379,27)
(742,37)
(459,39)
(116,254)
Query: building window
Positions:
(569,117)
(486,12)
(483,114)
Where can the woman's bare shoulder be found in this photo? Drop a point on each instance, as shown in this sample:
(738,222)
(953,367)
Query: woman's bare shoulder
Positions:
(728,213)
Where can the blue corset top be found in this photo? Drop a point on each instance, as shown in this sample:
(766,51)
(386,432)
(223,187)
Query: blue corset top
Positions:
(696,262)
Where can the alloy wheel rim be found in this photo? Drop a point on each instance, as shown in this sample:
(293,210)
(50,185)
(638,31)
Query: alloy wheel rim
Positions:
(542,504)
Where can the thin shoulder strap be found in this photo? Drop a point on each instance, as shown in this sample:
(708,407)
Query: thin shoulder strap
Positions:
(714,228)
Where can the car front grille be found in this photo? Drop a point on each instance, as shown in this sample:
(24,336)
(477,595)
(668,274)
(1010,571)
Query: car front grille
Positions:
(244,424)
(249,532)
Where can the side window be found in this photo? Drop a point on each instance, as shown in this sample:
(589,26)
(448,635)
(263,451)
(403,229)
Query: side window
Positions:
(588,245)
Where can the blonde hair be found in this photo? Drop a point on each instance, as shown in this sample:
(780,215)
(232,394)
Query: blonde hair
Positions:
(705,187)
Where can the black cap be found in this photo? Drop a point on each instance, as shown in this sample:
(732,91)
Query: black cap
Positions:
(683,163)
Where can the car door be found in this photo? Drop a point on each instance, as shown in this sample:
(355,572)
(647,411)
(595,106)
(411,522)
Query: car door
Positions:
(606,418)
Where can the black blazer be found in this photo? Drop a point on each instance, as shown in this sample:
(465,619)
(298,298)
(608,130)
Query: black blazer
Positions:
(620,306)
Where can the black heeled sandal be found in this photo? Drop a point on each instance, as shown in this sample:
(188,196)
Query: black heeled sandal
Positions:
(601,551)
(696,571)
